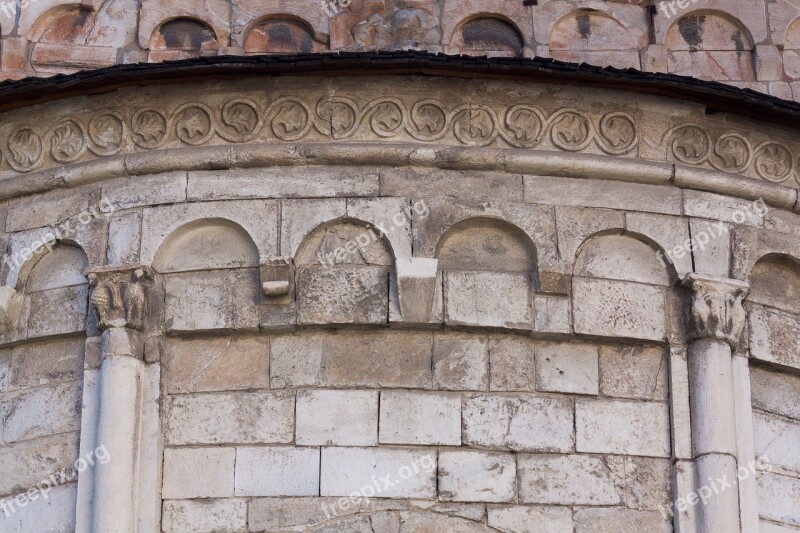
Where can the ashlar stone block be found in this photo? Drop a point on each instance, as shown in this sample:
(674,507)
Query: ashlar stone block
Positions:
(490,299)
(420,418)
(277,471)
(472,476)
(639,428)
(518,422)
(337,418)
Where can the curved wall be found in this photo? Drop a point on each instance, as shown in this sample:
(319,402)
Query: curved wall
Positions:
(300,286)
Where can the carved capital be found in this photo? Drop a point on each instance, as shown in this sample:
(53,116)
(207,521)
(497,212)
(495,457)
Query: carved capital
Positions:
(716,310)
(119,296)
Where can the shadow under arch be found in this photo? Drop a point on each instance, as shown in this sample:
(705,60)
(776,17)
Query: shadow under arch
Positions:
(607,253)
(345,240)
(207,243)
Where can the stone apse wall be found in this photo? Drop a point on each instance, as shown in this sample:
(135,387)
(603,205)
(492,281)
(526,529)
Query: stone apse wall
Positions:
(749,43)
(488,305)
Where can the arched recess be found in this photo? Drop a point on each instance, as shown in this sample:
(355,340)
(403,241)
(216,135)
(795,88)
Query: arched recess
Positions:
(281,34)
(342,274)
(489,269)
(791,50)
(210,276)
(182,38)
(489,35)
(591,36)
(773,309)
(69,37)
(711,45)
(620,286)
(55,291)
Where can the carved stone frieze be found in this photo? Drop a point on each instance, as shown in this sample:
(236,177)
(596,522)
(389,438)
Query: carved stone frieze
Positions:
(716,309)
(315,116)
(119,297)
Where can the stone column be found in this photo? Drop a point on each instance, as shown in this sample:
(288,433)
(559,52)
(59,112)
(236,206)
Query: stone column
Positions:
(120,393)
(718,320)
(118,298)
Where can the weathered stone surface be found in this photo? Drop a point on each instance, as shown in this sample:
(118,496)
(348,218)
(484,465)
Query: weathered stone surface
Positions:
(428,183)
(711,257)
(167,188)
(347,470)
(216,364)
(46,209)
(227,515)
(214,299)
(239,417)
(520,423)
(552,314)
(40,363)
(492,299)
(633,372)
(470,476)
(640,428)
(282,182)
(567,367)
(648,483)
(613,520)
(777,438)
(623,258)
(519,519)
(342,295)
(41,412)
(777,498)
(300,217)
(603,194)
(337,418)
(420,418)
(258,218)
(775,392)
(774,336)
(56,514)
(576,224)
(277,471)
(124,239)
(618,308)
(460,362)
(24,464)
(198,473)
(512,364)
(670,233)
(717,206)
(71,302)
(349,359)
(570,480)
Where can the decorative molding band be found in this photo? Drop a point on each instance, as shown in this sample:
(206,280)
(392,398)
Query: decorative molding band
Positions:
(315,118)
(583,166)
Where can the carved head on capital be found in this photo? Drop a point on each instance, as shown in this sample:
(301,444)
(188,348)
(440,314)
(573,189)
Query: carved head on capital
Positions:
(717,311)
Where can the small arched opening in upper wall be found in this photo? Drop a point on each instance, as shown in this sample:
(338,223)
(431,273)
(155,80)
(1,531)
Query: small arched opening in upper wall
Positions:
(711,45)
(791,50)
(489,34)
(281,35)
(182,38)
(591,36)
(66,39)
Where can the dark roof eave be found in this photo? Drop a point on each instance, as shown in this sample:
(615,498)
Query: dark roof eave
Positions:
(717,97)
